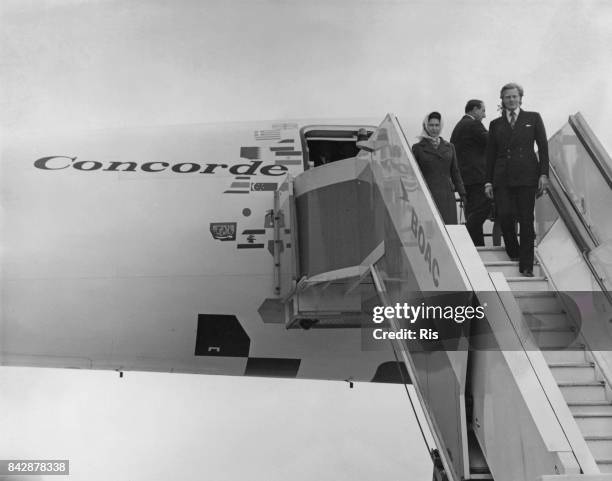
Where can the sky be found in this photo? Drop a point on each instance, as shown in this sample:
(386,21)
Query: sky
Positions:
(113,63)
(69,64)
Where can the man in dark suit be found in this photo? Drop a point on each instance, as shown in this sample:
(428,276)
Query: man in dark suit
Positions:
(515,173)
(470,140)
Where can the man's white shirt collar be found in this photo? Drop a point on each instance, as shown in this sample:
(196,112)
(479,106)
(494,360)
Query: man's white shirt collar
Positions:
(517,111)
(471,116)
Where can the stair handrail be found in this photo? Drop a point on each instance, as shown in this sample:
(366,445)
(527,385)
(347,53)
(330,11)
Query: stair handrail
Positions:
(577,227)
(592,145)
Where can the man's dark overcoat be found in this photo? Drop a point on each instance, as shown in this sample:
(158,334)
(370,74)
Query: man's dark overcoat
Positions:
(470,140)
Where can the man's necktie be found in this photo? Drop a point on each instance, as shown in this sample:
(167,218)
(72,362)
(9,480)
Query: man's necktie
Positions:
(512,118)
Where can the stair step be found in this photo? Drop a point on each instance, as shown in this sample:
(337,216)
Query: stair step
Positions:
(604,465)
(488,241)
(575,392)
(529,284)
(565,329)
(505,262)
(556,338)
(573,371)
(536,302)
(508,268)
(559,356)
(490,253)
(543,320)
(575,346)
(537,294)
(600,446)
(593,407)
(585,364)
(533,279)
(594,424)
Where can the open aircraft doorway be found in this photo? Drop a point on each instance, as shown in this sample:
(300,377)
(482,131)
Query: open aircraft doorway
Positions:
(324,144)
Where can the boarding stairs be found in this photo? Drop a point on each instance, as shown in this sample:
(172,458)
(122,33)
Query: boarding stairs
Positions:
(564,348)
(521,394)
(544,300)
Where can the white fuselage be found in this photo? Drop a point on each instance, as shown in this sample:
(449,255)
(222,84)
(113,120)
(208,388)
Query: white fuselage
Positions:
(115,242)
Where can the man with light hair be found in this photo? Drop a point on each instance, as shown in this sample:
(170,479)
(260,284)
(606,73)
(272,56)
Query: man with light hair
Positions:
(516,174)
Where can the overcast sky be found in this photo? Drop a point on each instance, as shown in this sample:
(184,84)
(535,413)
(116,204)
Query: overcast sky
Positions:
(81,64)
(112,63)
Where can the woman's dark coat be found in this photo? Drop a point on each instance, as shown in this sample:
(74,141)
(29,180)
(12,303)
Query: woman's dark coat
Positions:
(439,167)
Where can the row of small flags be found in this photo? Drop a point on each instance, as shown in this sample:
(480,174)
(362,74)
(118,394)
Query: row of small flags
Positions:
(267,134)
(287,153)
